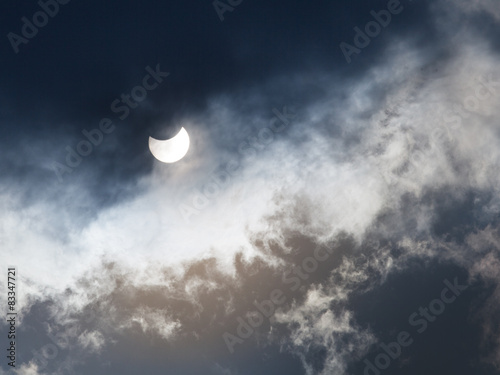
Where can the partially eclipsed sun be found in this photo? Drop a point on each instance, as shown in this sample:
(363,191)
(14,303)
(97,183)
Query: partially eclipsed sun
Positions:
(170,150)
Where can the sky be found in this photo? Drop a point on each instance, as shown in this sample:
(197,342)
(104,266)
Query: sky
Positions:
(337,212)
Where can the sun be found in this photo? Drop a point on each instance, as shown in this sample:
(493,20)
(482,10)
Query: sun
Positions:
(171,150)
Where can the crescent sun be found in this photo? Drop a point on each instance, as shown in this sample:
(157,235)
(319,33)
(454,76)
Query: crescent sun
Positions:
(170,150)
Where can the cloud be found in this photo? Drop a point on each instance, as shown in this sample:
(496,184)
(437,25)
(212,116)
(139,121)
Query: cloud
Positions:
(477,6)
(315,326)
(91,341)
